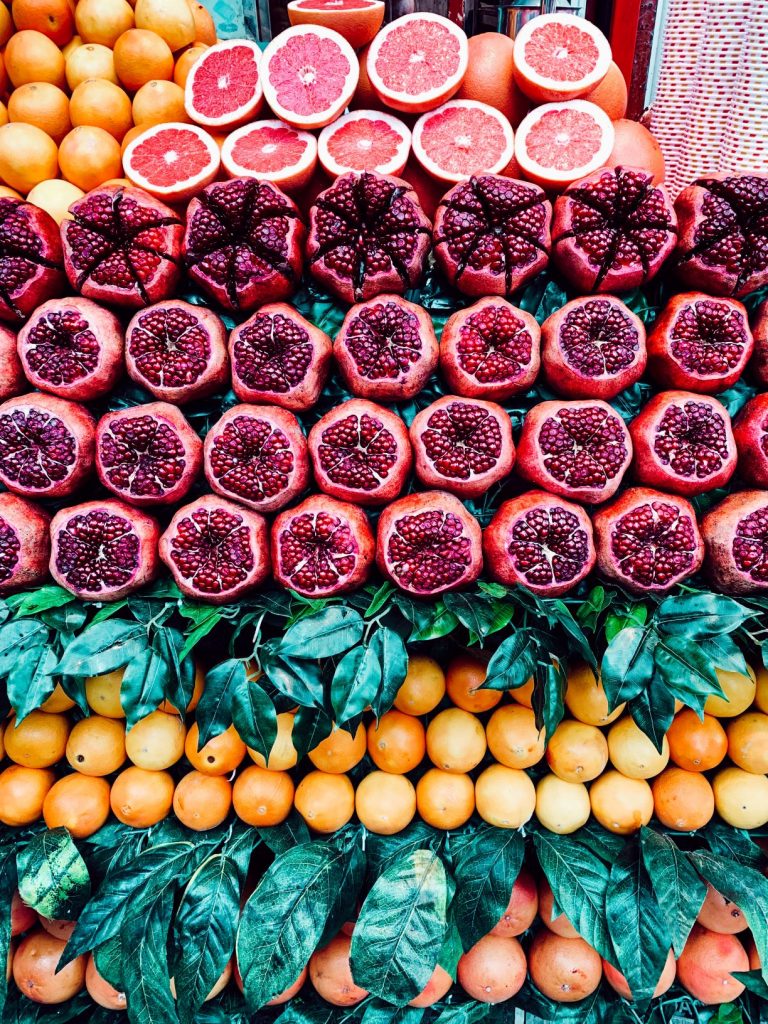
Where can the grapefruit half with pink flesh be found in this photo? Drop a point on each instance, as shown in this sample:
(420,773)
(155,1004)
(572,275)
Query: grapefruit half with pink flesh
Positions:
(417,62)
(560,57)
(558,143)
(223,88)
(270,151)
(462,138)
(309,74)
(364,140)
(357,20)
(172,161)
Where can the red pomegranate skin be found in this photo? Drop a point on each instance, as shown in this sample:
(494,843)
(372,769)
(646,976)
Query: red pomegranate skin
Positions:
(12,379)
(700,343)
(257,455)
(429,543)
(735,534)
(490,350)
(647,541)
(31,262)
(683,443)
(103,550)
(361,452)
(750,432)
(593,347)
(579,450)
(279,357)
(463,445)
(758,366)
(541,542)
(25,543)
(322,547)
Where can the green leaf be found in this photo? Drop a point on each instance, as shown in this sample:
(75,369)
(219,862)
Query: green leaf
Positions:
(254,716)
(300,681)
(201,630)
(103,647)
(109,962)
(382,851)
(40,600)
(393,657)
(143,686)
(323,634)
(557,611)
(753,981)
(588,613)
(485,869)
(627,666)
(687,671)
(379,1012)
(725,654)
(732,843)
(289,833)
(31,681)
(7,890)
(629,616)
(653,710)
(310,727)
(18,636)
(678,888)
(607,845)
(169,644)
(53,878)
(431,620)
(481,615)
(698,616)
(548,697)
(513,662)
(380,597)
(346,902)
(355,683)
(146,977)
(214,712)
(69,618)
(464,1013)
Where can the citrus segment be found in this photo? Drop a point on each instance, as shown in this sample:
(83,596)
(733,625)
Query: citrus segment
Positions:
(558,143)
(462,138)
(224,87)
(270,151)
(560,56)
(172,161)
(364,140)
(357,20)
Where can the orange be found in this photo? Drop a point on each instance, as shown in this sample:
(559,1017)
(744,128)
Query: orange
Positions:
(171,19)
(513,738)
(564,970)
(202,801)
(156,742)
(88,157)
(38,741)
(199,683)
(523,694)
(610,94)
(577,752)
(739,690)
(620,804)
(463,678)
(140,798)
(326,802)
(90,61)
(331,973)
(158,102)
(634,146)
(58,700)
(71,46)
(456,741)
(261,797)
(489,76)
(694,744)
(396,743)
(32,57)
(385,803)
(505,797)
(741,798)
(585,697)
(36,973)
(101,104)
(7,27)
(436,988)
(103,21)
(78,803)
(423,687)
(220,755)
(283,755)
(205,27)
(99,989)
(22,793)
(54,18)
(561,806)
(761,690)
(683,800)
(2,740)
(3,114)
(633,753)
(141,56)
(339,752)
(748,742)
(96,745)
(27,156)
(55,197)
(493,970)
(130,135)
(445,799)
(185,61)
(103,692)
(43,105)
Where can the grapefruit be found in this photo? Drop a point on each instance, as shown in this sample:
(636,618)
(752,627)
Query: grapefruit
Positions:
(489,76)
(611,93)
(417,62)
(560,57)
(357,20)
(270,151)
(634,146)
(558,143)
(223,87)
(364,140)
(309,74)
(172,161)
(462,138)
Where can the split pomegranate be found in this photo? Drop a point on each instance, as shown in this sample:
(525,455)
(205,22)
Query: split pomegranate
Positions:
(257,454)
(367,235)
(490,350)
(31,264)
(103,550)
(647,541)
(148,454)
(46,445)
(735,533)
(613,230)
(177,351)
(279,357)
(580,450)
(216,551)
(25,543)
(593,348)
(683,443)
(12,379)
(492,234)
(361,452)
(750,432)
(386,349)
(122,247)
(429,543)
(322,547)
(463,445)
(722,246)
(700,344)
(243,243)
(759,364)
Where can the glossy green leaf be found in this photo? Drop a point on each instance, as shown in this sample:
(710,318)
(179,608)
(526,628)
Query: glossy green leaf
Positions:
(753,981)
(53,877)
(289,833)
(301,681)
(254,716)
(346,902)
(479,613)
(627,666)
(40,600)
(653,710)
(383,851)
(143,686)
(169,644)
(103,647)
(486,868)
(464,1013)
(146,974)
(31,680)
(379,1012)
(687,671)
(725,654)
(549,697)
(698,616)
(214,712)
(310,727)
(109,962)
(393,658)
(513,662)
(355,683)
(7,889)
(17,636)
(324,634)
(732,843)
(625,617)
(678,888)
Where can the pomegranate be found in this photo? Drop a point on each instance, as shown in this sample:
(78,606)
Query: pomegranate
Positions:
(735,534)
(750,432)
(177,351)
(122,247)
(647,541)
(361,452)
(683,443)
(386,349)
(613,230)
(429,543)
(31,265)
(103,550)
(593,348)
(72,348)
(279,357)
(257,455)
(580,450)
(12,379)
(492,234)
(759,364)
(322,547)
(148,454)
(25,543)
(46,445)
(367,235)
(463,445)
(216,551)
(541,542)
(243,243)
(490,350)
(722,244)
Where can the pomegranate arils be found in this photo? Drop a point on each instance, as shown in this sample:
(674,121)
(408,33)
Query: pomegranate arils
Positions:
(25,543)
(736,537)
(750,432)
(492,234)
(31,265)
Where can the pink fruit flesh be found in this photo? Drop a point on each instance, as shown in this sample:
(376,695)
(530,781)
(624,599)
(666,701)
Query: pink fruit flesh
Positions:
(735,533)
(750,432)
(12,379)
(25,543)
(31,265)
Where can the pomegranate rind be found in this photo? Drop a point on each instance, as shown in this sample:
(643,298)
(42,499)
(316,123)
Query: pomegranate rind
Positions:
(237,115)
(327,142)
(449,78)
(12,379)
(31,259)
(759,363)
(483,118)
(357,22)
(539,86)
(561,172)
(25,543)
(750,432)
(289,176)
(735,535)
(186,187)
(276,92)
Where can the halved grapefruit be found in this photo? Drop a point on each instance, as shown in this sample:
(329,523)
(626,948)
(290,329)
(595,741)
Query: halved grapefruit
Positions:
(558,143)
(364,140)
(462,138)
(417,62)
(357,20)
(309,74)
(172,161)
(223,88)
(560,57)
(270,151)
